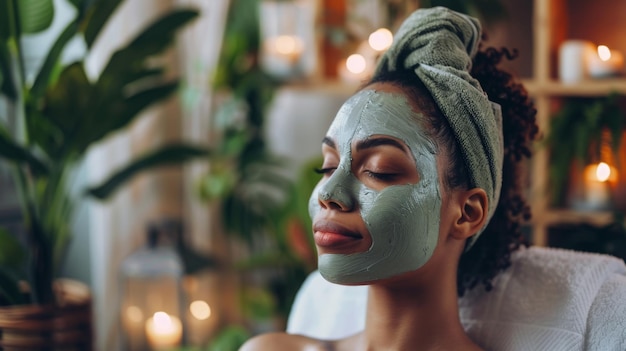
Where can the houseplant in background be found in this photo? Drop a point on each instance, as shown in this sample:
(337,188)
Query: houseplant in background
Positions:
(255,195)
(583,131)
(49,123)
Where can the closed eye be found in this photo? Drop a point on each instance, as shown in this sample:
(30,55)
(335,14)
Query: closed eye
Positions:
(386,177)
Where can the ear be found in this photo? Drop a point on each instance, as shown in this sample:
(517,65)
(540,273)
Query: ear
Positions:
(473,215)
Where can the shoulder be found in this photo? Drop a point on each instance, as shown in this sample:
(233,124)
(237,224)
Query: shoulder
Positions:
(282,341)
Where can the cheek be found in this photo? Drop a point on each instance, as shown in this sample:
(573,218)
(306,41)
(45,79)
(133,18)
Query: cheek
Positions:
(404,215)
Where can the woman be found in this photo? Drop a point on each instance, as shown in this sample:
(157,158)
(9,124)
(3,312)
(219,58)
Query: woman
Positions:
(419,197)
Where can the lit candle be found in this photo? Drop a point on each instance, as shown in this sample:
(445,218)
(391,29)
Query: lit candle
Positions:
(574,60)
(597,193)
(163,331)
(606,63)
(281,55)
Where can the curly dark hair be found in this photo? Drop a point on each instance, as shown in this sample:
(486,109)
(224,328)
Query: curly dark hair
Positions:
(491,253)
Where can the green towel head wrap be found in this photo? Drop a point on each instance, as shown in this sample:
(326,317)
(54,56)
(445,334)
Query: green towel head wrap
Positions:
(439,44)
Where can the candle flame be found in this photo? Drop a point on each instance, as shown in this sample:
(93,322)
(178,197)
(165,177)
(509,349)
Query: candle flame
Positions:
(200,310)
(604,52)
(381,39)
(356,64)
(603,172)
(162,321)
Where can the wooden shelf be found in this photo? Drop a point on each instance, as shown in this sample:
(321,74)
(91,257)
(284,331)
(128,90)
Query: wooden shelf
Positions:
(589,88)
(553,22)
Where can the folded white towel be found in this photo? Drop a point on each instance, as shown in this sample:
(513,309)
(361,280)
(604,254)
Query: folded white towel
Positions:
(549,299)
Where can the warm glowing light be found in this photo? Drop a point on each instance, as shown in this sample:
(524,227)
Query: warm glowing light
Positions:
(133,313)
(381,39)
(288,45)
(603,172)
(200,310)
(162,321)
(163,330)
(604,53)
(356,64)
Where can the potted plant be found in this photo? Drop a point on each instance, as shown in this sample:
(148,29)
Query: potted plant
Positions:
(50,122)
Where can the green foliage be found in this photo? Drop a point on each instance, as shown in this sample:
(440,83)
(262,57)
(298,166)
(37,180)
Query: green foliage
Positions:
(55,119)
(230,339)
(35,15)
(168,155)
(246,179)
(257,197)
(576,135)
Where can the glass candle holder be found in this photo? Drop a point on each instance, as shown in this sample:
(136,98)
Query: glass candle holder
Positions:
(288,44)
(151,310)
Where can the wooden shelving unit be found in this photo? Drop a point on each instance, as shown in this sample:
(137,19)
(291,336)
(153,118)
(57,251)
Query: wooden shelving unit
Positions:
(550,25)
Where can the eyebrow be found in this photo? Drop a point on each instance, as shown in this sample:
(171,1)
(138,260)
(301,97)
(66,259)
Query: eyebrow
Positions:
(328,141)
(367,144)
(370,143)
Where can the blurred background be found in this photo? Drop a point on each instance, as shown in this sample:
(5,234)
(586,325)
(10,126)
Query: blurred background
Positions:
(211,247)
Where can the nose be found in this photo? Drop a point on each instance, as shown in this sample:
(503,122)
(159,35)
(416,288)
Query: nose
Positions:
(336,193)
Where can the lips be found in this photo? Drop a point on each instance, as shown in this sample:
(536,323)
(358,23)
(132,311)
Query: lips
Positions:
(334,236)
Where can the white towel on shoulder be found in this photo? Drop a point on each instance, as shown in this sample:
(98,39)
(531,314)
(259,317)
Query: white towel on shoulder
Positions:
(549,299)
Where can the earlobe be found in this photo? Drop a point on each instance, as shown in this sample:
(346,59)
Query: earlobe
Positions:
(473,214)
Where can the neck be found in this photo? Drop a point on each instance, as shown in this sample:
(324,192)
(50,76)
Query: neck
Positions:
(403,316)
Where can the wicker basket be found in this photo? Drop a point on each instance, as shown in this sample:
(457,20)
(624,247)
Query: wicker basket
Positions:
(66,326)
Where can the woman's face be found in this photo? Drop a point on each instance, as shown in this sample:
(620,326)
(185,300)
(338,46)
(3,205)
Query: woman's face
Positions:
(376,211)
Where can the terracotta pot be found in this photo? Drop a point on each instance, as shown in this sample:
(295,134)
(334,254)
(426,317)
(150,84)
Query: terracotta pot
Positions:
(65,326)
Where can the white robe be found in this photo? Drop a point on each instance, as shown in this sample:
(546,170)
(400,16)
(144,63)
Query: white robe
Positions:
(549,299)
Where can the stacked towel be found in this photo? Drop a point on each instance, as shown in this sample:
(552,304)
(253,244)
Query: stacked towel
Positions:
(549,299)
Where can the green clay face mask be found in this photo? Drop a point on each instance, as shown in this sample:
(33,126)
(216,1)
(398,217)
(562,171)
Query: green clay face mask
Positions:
(403,220)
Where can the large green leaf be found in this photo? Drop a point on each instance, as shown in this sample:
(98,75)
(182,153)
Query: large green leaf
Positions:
(167,155)
(152,41)
(8,85)
(127,84)
(119,113)
(97,16)
(158,35)
(35,15)
(9,41)
(18,154)
(68,107)
(43,77)
(6,19)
